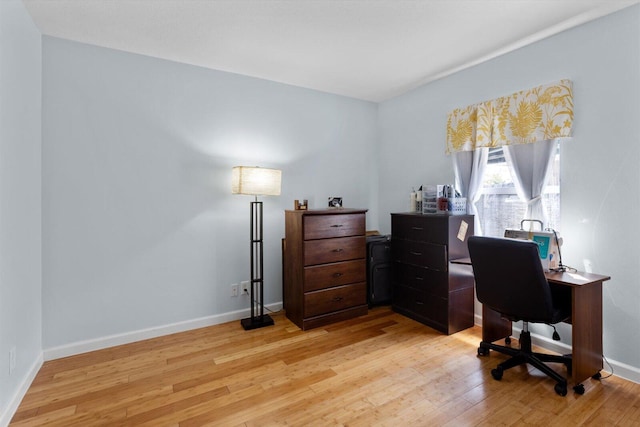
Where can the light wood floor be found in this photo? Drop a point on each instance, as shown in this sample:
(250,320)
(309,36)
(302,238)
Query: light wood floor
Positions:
(380,369)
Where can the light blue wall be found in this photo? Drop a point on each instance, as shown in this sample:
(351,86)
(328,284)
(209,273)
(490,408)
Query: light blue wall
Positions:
(600,166)
(140,229)
(20,213)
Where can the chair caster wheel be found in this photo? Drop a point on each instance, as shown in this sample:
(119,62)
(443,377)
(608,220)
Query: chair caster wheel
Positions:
(497,374)
(483,351)
(507,340)
(596,376)
(579,389)
(561,389)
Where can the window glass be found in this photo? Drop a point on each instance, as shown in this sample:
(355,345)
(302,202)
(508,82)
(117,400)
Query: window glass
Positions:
(500,208)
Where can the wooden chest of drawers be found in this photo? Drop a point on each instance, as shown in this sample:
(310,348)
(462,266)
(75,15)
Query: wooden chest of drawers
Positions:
(427,286)
(324,266)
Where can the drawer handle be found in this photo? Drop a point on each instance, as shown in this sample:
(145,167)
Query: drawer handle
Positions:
(337,225)
(419,278)
(415,253)
(337,250)
(337,274)
(417,228)
(336,299)
(419,303)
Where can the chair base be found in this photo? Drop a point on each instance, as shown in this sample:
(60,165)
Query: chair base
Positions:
(523,355)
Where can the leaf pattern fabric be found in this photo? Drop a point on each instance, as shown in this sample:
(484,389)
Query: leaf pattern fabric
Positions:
(538,114)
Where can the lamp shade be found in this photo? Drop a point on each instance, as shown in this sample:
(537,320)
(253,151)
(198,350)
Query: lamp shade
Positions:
(255,181)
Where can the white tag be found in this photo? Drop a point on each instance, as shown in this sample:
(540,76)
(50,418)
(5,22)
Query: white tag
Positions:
(462,231)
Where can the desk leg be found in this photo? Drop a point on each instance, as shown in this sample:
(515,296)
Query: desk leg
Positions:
(586,320)
(494,327)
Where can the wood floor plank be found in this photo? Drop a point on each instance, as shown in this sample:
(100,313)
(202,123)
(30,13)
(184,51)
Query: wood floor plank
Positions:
(50,418)
(381,369)
(174,407)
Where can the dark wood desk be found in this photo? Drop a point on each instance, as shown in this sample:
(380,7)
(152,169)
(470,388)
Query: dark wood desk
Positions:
(586,321)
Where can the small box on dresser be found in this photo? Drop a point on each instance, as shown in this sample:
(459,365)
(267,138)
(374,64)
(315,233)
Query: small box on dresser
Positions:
(324,266)
(427,286)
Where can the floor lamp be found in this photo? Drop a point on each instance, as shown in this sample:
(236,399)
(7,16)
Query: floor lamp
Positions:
(256,181)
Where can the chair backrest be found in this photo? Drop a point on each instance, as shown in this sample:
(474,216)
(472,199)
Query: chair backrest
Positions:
(510,279)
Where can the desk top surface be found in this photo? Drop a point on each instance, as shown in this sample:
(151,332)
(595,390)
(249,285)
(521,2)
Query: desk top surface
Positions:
(574,278)
(570,278)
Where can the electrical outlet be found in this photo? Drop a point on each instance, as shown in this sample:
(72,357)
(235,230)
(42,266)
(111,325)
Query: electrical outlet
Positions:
(12,360)
(235,289)
(244,285)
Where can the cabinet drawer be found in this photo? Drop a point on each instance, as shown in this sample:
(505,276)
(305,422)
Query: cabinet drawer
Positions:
(334,250)
(334,299)
(336,274)
(328,226)
(421,228)
(427,255)
(428,307)
(431,281)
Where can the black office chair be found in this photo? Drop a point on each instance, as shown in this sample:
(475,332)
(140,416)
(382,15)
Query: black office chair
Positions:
(510,280)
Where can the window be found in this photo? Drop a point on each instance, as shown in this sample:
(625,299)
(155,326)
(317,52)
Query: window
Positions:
(500,208)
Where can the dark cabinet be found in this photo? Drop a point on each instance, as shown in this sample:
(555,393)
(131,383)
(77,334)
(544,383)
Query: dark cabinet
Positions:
(324,261)
(378,270)
(427,286)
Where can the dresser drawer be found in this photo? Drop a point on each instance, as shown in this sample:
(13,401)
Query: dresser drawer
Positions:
(334,299)
(334,250)
(428,255)
(336,274)
(431,281)
(421,228)
(329,226)
(423,305)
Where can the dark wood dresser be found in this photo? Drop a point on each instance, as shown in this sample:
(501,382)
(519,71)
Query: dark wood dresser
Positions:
(324,266)
(427,286)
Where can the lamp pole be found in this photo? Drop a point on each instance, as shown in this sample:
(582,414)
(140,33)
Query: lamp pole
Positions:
(258,319)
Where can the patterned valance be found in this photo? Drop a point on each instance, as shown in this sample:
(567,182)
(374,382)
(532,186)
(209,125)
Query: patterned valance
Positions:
(538,114)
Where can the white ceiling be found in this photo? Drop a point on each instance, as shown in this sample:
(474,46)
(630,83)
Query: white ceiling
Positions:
(366,49)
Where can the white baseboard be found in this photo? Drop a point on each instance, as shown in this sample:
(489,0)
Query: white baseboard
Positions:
(619,369)
(143,334)
(14,402)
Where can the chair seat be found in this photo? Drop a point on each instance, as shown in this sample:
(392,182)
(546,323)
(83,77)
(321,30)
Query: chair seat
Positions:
(559,314)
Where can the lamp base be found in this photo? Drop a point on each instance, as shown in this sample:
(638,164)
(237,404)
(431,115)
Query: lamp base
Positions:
(256,322)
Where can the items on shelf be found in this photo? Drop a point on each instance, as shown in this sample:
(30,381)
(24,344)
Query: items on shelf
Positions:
(437,198)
